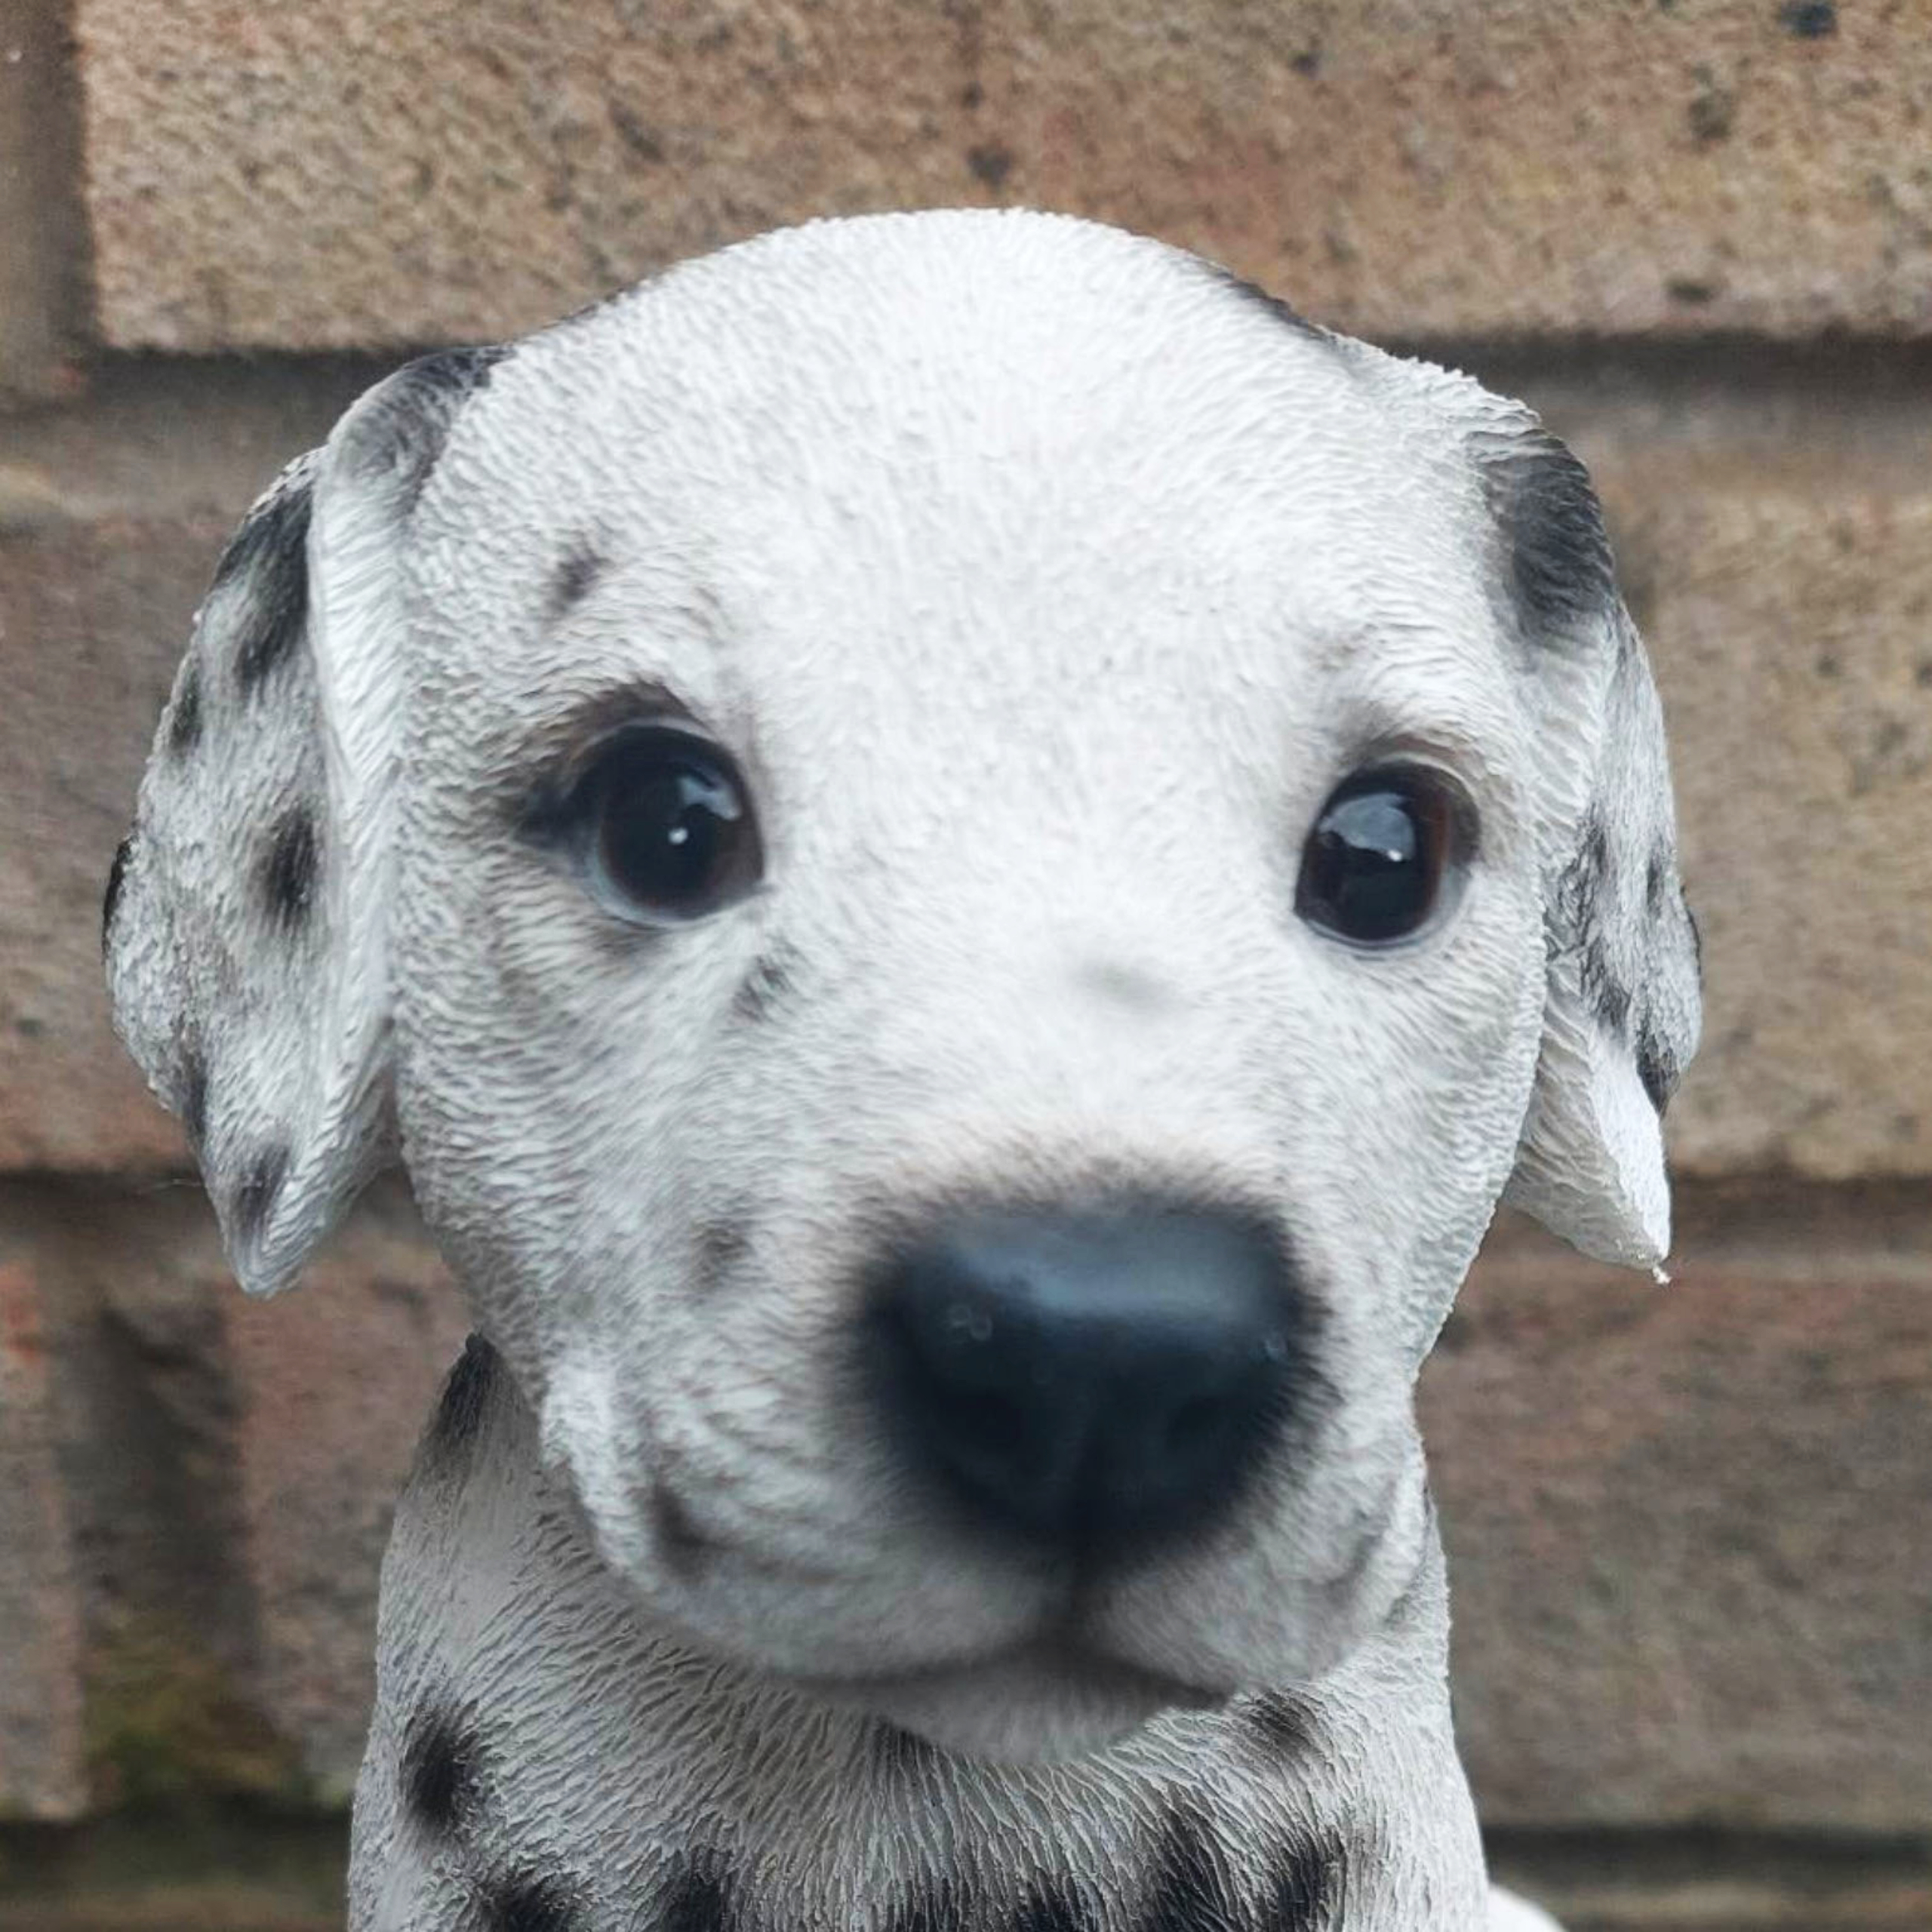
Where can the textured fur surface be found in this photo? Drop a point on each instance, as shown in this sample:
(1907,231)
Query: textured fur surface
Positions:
(1044,586)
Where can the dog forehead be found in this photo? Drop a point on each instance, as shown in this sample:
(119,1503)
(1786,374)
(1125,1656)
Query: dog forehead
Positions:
(1028,431)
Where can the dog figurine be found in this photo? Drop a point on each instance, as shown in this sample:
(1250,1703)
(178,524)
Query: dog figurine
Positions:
(962,858)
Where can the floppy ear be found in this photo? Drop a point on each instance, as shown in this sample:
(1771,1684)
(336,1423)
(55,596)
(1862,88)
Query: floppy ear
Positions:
(1622,1004)
(245,926)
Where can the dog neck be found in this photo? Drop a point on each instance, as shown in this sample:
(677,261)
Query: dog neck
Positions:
(538,1745)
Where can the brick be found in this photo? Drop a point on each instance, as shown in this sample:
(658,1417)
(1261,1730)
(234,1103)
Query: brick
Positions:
(334,1383)
(1662,1882)
(1687,1527)
(92,618)
(1804,687)
(380,174)
(229,1468)
(43,266)
(41,1769)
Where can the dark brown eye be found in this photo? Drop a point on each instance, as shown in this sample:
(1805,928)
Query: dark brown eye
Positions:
(667,830)
(1386,842)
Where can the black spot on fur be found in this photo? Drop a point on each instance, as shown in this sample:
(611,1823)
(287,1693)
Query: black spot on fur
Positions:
(1560,573)
(900,1756)
(1300,1885)
(289,869)
(530,1902)
(117,876)
(1609,998)
(401,435)
(1656,880)
(270,551)
(764,988)
(1192,1886)
(1284,1724)
(1590,866)
(697,1894)
(440,1770)
(184,727)
(721,1245)
(255,1199)
(575,576)
(194,1108)
(1052,1906)
(1809,19)
(1579,926)
(1657,1067)
(944,1905)
(681,1546)
(1272,304)
(466,1397)
(456,372)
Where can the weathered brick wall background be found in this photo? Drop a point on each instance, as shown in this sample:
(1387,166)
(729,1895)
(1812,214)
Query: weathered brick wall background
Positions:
(1691,1528)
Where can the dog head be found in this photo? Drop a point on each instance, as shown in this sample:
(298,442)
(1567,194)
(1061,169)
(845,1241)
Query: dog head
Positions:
(963,859)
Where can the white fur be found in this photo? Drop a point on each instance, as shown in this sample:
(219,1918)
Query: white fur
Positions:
(1044,586)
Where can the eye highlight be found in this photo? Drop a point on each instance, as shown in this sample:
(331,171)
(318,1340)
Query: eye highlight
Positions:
(1388,846)
(661,823)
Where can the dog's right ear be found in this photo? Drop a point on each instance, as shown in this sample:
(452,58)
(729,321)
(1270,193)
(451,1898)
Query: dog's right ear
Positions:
(245,922)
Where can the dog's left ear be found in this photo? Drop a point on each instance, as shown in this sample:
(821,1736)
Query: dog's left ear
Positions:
(245,927)
(1622,999)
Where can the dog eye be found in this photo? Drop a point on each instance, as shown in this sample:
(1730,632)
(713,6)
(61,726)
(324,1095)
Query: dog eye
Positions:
(1374,867)
(667,830)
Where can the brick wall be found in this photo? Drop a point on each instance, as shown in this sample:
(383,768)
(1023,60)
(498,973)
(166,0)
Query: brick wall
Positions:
(1691,1546)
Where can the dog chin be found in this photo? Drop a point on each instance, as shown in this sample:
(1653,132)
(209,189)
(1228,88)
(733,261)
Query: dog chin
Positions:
(1030,1706)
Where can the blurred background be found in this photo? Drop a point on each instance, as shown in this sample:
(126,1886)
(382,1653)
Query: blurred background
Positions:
(1691,1528)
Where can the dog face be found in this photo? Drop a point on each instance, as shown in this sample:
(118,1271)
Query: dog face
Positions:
(964,860)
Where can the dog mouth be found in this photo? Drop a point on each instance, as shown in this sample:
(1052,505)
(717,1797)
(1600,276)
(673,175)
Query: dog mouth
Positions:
(1043,1701)
(1057,1663)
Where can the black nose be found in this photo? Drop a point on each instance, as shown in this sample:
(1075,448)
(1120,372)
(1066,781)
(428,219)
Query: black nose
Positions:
(1090,1380)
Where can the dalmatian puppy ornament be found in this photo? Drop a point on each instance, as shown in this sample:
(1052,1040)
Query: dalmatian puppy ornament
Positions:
(961,859)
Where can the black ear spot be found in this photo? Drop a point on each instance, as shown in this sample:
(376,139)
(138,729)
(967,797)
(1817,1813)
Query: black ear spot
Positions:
(399,435)
(289,868)
(255,1199)
(1657,1067)
(1579,927)
(184,727)
(117,876)
(1560,572)
(270,550)
(1656,878)
(454,374)
(194,1108)
(466,1397)
(440,1770)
